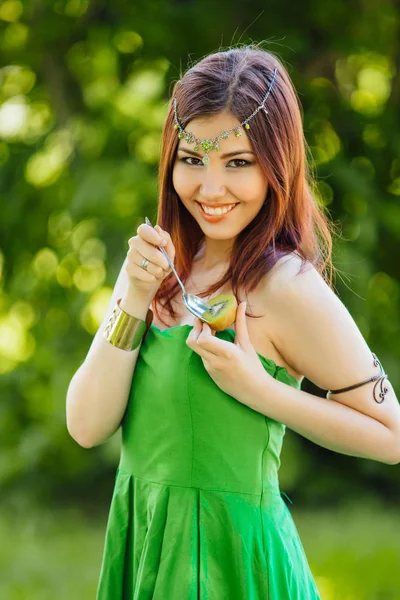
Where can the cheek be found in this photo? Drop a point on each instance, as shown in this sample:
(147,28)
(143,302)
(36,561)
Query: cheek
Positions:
(183,182)
(252,188)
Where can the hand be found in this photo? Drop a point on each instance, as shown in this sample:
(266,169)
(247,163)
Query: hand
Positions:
(144,245)
(234,367)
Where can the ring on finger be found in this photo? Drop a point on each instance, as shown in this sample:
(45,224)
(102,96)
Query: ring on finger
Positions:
(145,262)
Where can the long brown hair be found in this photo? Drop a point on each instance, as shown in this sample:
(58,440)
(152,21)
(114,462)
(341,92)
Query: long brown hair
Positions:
(291,219)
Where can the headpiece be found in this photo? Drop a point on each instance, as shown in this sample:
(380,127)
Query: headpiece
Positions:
(208,144)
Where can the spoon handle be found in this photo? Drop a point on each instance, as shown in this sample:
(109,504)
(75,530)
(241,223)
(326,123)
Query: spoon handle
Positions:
(148,222)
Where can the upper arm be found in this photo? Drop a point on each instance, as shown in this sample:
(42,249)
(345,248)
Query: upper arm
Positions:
(119,288)
(316,334)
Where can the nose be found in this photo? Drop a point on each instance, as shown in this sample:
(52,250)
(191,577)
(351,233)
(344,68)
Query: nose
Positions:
(212,185)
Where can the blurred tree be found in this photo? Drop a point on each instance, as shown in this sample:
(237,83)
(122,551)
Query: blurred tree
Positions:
(83,93)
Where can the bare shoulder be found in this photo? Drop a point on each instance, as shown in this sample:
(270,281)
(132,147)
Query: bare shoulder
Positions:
(290,294)
(294,284)
(310,325)
(289,270)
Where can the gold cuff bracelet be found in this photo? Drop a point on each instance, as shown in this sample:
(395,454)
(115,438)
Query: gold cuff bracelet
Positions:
(126,331)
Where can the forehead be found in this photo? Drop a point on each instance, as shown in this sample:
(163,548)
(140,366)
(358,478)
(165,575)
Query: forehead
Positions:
(211,126)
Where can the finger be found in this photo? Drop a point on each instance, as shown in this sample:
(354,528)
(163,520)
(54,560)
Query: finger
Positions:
(205,330)
(169,247)
(191,342)
(211,343)
(136,272)
(152,253)
(165,236)
(193,336)
(242,334)
(135,259)
(150,234)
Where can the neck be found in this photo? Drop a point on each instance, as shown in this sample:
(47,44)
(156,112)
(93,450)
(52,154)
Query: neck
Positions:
(214,255)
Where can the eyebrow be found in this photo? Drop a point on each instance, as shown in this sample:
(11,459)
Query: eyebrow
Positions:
(229,154)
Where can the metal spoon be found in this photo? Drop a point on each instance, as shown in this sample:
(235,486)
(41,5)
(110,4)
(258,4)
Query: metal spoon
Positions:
(196,305)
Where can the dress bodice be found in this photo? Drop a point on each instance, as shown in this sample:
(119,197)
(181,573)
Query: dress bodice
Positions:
(199,435)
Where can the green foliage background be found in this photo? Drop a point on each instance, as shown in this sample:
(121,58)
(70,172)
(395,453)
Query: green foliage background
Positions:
(83,93)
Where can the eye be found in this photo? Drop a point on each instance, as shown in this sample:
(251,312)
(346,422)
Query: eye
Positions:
(240,162)
(186,158)
(236,163)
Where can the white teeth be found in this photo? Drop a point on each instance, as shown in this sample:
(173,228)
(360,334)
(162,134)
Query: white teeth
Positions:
(217,211)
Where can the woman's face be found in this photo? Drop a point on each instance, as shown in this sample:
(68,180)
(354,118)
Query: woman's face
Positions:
(233,176)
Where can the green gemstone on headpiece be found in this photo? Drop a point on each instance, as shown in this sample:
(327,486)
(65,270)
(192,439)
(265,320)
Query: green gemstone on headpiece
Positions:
(196,148)
(216,148)
(189,137)
(225,135)
(247,126)
(180,135)
(176,126)
(206,160)
(237,133)
(207,145)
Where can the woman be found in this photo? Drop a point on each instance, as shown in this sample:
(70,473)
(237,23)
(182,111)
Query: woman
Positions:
(197,510)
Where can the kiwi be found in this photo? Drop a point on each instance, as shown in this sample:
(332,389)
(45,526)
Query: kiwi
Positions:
(222,312)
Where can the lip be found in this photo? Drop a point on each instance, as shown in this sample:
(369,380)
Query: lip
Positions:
(216,204)
(214,218)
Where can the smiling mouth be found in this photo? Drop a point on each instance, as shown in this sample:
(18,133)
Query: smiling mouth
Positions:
(217,214)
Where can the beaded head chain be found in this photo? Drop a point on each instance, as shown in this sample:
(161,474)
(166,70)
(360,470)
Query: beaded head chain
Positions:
(208,144)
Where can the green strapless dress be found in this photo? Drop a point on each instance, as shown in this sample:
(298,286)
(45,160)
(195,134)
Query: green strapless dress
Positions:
(196,512)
